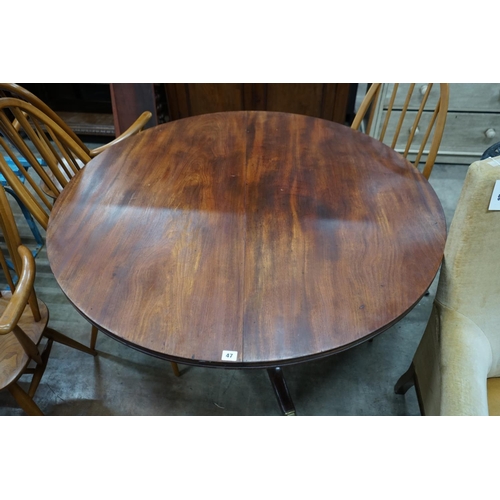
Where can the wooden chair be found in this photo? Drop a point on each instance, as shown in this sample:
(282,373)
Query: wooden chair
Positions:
(62,156)
(16,91)
(411,122)
(23,319)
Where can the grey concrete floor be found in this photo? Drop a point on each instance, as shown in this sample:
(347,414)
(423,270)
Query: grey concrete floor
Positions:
(122,381)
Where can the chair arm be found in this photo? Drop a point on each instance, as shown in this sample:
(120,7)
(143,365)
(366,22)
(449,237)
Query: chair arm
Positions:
(466,361)
(135,128)
(21,294)
(452,364)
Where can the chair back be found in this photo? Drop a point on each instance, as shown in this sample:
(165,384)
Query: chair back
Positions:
(34,137)
(409,118)
(18,92)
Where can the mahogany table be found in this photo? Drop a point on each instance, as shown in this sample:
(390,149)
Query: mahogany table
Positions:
(246,240)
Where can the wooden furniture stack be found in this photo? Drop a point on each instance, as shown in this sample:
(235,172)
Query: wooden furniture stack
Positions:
(321,100)
(108,109)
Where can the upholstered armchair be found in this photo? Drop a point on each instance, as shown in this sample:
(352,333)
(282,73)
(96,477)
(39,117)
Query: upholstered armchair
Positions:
(456,368)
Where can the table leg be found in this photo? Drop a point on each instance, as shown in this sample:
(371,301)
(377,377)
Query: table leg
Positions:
(281,390)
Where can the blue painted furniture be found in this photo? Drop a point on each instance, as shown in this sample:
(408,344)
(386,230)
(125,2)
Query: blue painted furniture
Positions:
(29,219)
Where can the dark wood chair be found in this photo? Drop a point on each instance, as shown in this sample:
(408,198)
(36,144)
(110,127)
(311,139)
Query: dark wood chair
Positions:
(25,337)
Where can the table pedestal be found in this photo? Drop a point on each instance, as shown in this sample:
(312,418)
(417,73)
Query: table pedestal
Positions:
(281,390)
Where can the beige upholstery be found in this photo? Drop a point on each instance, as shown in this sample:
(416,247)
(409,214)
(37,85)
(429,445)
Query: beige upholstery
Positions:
(460,348)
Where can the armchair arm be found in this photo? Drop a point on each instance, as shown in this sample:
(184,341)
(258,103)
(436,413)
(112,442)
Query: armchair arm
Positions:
(135,128)
(466,362)
(21,294)
(452,365)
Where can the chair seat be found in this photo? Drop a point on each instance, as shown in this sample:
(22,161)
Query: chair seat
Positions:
(13,358)
(494,397)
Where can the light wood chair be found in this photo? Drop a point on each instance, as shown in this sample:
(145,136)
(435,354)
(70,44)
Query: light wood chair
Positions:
(16,91)
(62,156)
(412,121)
(23,319)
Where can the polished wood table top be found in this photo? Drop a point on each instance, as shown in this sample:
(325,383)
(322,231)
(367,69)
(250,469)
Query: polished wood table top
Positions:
(270,237)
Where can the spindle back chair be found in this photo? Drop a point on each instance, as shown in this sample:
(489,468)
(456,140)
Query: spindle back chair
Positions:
(412,121)
(16,91)
(62,156)
(36,136)
(24,333)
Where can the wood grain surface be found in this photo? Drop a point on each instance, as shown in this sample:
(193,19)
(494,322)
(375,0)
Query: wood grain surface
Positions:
(281,237)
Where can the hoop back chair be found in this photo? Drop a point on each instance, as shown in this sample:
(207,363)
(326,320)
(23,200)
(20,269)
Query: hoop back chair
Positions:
(411,122)
(456,368)
(16,91)
(23,319)
(62,156)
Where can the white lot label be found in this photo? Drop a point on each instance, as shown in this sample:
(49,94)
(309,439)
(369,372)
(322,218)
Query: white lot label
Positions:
(495,197)
(229,355)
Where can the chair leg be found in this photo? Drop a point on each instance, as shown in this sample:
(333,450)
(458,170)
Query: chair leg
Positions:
(93,337)
(406,381)
(175,368)
(24,401)
(40,369)
(62,339)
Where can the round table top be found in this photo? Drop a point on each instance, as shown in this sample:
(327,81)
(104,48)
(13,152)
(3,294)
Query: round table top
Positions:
(246,239)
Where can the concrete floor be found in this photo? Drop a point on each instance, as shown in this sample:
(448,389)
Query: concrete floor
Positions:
(122,381)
